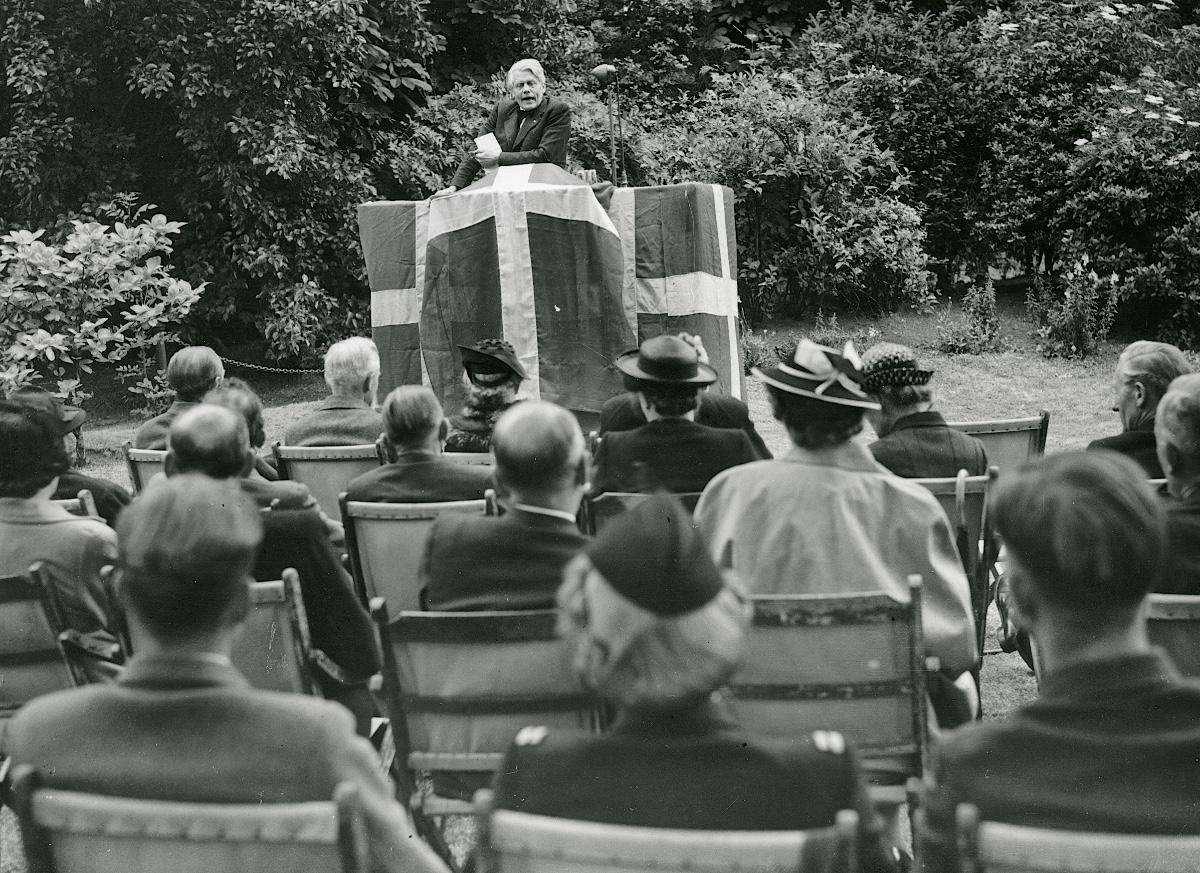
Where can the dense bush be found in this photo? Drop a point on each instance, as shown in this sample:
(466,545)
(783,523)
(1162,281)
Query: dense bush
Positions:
(980,331)
(1072,311)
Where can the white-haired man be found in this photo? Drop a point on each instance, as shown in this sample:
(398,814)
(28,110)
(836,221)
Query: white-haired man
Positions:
(529,127)
(348,416)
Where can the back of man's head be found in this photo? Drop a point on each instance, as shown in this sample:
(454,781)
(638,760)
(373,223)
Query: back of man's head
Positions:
(1177,430)
(187,550)
(210,440)
(194,371)
(1085,530)
(539,450)
(350,365)
(238,397)
(411,416)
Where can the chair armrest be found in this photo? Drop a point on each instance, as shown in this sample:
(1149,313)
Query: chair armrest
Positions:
(329,667)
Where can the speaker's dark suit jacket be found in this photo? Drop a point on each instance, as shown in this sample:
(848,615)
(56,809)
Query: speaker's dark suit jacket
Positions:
(192,729)
(623,412)
(543,140)
(672,454)
(1137,444)
(923,446)
(511,562)
(693,769)
(421,477)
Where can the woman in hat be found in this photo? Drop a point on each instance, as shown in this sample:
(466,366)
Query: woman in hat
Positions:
(659,629)
(492,375)
(914,441)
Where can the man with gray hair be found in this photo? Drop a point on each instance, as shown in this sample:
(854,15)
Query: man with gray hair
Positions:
(473,562)
(347,417)
(528,128)
(414,435)
(1144,371)
(1177,434)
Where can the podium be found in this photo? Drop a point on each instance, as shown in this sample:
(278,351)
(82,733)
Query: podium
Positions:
(528,254)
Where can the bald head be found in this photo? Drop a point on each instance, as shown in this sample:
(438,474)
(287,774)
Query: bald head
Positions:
(211,440)
(540,452)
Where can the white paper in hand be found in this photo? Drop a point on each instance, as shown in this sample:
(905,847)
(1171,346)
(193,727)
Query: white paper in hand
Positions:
(487,141)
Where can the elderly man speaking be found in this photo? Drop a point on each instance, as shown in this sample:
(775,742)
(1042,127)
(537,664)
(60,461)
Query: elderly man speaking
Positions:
(528,128)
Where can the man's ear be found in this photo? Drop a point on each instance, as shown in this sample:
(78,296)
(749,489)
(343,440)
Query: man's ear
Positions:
(170,465)
(1177,461)
(248,465)
(1139,394)
(444,431)
(1024,600)
(581,470)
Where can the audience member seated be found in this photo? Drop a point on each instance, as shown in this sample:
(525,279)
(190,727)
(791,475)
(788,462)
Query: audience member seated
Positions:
(238,397)
(1177,432)
(1113,742)
(192,372)
(914,440)
(1144,371)
(414,433)
(110,497)
(182,724)
(659,631)
(827,519)
(474,562)
(347,417)
(671,452)
(624,412)
(492,375)
(72,549)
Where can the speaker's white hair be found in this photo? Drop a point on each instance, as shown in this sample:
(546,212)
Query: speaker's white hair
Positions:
(526,65)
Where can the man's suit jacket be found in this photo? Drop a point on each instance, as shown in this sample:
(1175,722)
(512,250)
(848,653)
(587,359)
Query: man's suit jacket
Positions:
(923,446)
(695,768)
(153,434)
(1137,444)
(421,477)
(623,412)
(543,142)
(336,421)
(511,562)
(1181,559)
(191,729)
(673,454)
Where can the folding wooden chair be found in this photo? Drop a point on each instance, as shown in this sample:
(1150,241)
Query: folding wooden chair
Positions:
(853,663)
(598,511)
(964,499)
(83,504)
(475,459)
(519,842)
(460,685)
(142,464)
(1006,848)
(274,651)
(72,832)
(326,470)
(386,542)
(32,661)
(1010,442)
(1174,621)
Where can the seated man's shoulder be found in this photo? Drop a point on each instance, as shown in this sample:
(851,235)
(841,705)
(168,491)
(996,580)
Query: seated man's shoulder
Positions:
(152,434)
(721,408)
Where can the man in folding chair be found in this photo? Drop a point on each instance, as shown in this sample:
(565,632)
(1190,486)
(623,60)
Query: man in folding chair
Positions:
(1113,743)
(182,724)
(659,629)
(192,372)
(347,417)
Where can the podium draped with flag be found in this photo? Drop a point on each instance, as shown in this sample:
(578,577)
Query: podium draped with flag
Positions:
(528,254)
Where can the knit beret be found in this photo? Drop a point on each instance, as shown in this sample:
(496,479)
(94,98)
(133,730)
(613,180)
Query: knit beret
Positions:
(887,364)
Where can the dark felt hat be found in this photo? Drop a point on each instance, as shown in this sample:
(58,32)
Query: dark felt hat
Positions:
(820,373)
(492,356)
(69,418)
(653,556)
(885,364)
(666,360)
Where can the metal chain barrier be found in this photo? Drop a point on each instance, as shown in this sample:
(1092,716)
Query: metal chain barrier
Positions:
(264,369)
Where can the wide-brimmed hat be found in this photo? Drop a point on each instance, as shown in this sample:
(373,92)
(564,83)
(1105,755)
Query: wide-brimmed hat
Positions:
(666,360)
(490,355)
(885,364)
(821,373)
(69,418)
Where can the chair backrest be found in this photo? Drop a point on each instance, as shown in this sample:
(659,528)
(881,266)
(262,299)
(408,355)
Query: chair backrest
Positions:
(274,652)
(72,832)
(476,459)
(1174,621)
(142,464)
(32,662)
(386,542)
(603,508)
(1007,848)
(83,504)
(854,663)
(1010,442)
(519,841)
(463,684)
(326,470)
